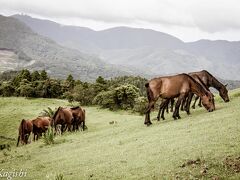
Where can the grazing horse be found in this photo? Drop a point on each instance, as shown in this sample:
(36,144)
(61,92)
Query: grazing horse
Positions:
(79,117)
(62,116)
(40,125)
(25,129)
(210,81)
(169,87)
(185,104)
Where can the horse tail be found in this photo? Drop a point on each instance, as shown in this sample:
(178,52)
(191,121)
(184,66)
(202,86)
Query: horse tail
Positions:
(149,92)
(21,131)
(83,119)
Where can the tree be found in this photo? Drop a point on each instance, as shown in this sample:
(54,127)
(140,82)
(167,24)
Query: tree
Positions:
(26,90)
(100,80)
(35,76)
(25,74)
(7,89)
(70,82)
(126,95)
(43,75)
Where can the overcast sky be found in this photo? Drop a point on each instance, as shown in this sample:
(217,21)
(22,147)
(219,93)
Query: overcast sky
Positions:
(188,20)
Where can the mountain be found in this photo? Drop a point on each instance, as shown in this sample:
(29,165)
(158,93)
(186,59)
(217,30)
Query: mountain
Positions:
(148,51)
(20,47)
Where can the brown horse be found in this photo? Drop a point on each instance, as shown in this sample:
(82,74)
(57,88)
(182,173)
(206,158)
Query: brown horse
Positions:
(40,125)
(169,87)
(185,104)
(210,81)
(25,129)
(64,117)
(79,117)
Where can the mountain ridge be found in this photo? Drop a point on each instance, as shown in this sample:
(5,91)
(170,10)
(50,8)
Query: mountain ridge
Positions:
(44,53)
(147,50)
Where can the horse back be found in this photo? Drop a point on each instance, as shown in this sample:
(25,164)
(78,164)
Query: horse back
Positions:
(170,86)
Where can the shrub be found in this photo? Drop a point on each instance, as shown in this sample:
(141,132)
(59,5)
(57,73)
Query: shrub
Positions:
(140,105)
(48,137)
(59,177)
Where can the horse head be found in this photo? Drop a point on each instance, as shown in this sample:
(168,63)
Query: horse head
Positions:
(208,101)
(223,92)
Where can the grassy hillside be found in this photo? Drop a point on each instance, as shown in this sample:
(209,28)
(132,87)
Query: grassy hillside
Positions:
(203,145)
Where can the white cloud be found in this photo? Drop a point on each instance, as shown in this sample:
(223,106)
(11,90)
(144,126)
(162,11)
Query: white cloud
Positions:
(187,19)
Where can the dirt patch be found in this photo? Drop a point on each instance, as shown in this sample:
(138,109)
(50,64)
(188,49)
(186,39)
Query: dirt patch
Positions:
(232,163)
(191,163)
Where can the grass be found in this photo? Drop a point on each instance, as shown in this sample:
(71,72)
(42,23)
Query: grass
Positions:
(127,149)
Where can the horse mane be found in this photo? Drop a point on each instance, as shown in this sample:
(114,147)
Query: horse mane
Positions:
(219,84)
(197,84)
(205,86)
(73,108)
(55,114)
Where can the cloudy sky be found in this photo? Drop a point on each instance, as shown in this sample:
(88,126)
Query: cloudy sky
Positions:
(188,20)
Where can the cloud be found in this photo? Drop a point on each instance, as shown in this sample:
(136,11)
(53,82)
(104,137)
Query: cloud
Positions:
(188,19)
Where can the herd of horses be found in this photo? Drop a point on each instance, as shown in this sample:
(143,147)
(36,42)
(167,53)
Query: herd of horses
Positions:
(183,87)
(180,86)
(70,119)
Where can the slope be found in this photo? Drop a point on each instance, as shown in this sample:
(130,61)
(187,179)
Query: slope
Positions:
(128,149)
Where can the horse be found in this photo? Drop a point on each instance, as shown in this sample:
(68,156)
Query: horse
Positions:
(40,125)
(169,87)
(25,129)
(79,117)
(185,104)
(210,81)
(62,116)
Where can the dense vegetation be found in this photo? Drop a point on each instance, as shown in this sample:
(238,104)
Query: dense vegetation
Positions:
(125,92)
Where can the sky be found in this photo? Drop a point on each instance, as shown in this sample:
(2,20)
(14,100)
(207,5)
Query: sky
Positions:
(188,20)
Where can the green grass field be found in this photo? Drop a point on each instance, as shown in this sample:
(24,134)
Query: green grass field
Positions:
(200,146)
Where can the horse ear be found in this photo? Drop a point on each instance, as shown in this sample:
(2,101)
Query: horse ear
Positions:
(225,85)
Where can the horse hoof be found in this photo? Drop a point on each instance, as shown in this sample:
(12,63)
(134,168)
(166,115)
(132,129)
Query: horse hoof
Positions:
(148,123)
(179,117)
(158,119)
(193,107)
(174,118)
(188,113)
(163,118)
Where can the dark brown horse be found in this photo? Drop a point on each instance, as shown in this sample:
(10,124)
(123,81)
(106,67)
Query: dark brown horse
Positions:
(210,81)
(25,129)
(185,104)
(169,87)
(64,117)
(40,125)
(79,117)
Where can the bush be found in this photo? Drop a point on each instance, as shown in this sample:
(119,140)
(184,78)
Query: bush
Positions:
(48,137)
(59,177)
(140,105)
(106,99)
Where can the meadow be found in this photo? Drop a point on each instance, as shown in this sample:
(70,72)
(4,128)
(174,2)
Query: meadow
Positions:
(117,145)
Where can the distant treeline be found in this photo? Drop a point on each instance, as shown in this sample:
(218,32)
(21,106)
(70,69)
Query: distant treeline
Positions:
(126,92)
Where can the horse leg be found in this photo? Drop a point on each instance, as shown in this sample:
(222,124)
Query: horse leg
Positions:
(160,109)
(83,123)
(177,106)
(18,140)
(167,111)
(189,99)
(200,102)
(194,103)
(183,104)
(172,103)
(163,108)
(69,127)
(147,117)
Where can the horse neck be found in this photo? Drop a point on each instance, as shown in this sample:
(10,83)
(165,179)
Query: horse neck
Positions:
(216,84)
(197,88)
